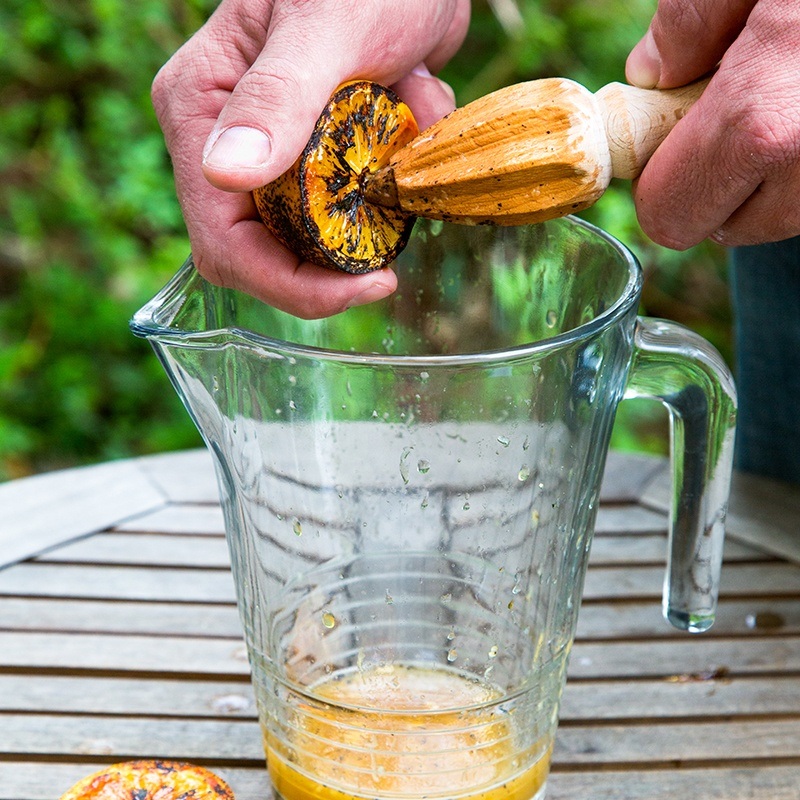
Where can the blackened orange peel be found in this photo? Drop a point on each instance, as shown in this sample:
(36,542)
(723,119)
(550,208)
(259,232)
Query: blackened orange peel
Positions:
(151,780)
(318,209)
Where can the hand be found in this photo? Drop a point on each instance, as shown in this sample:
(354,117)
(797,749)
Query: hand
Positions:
(237,104)
(730,169)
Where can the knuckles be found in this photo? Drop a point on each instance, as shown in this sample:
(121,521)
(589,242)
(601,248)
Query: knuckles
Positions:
(765,140)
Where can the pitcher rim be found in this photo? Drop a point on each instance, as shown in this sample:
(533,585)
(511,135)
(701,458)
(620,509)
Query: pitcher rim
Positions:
(144,324)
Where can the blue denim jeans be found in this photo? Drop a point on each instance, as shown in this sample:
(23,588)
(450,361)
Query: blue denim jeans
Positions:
(765,283)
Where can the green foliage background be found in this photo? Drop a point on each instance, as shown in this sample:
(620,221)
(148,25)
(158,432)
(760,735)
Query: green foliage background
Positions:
(90,227)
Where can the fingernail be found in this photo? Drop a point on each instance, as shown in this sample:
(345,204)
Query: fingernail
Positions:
(644,63)
(377,291)
(236,148)
(421,70)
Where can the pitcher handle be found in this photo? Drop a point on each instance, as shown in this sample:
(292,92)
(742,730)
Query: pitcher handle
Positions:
(687,374)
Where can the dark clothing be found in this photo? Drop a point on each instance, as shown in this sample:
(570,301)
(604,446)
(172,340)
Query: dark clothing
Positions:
(765,283)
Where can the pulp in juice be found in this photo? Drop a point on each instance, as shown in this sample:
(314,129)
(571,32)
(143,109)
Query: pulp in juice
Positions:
(404,732)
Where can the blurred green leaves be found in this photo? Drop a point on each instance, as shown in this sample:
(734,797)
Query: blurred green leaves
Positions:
(90,227)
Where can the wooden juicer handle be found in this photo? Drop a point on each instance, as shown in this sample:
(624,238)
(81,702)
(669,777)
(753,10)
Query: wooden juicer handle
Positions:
(637,120)
(529,152)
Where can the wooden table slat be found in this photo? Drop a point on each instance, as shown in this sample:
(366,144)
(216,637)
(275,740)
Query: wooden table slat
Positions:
(140,737)
(587,701)
(633,619)
(765,781)
(119,583)
(21,780)
(589,660)
(211,550)
(111,653)
(181,520)
(143,549)
(216,586)
(651,744)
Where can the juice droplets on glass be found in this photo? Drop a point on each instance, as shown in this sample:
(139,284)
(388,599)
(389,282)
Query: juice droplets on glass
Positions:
(404,732)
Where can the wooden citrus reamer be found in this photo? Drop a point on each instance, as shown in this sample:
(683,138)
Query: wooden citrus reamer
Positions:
(530,152)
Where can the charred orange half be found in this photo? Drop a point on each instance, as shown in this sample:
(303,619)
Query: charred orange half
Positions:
(151,780)
(318,209)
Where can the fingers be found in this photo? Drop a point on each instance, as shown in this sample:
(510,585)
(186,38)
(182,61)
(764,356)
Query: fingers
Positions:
(231,248)
(255,263)
(730,169)
(453,38)
(429,98)
(685,40)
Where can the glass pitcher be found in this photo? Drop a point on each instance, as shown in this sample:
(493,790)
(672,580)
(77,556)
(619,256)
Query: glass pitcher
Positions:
(410,489)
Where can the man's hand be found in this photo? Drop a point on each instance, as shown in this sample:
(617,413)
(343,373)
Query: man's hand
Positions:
(237,104)
(730,170)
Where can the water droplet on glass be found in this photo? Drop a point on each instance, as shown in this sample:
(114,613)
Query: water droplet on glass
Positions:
(424,375)
(423,466)
(527,443)
(292,405)
(510,605)
(348,388)
(404,463)
(466,506)
(279,411)
(293,379)
(493,651)
(215,383)
(297,527)
(451,634)
(452,654)
(389,600)
(446,597)
(524,473)
(551,318)
(424,503)
(375,414)
(504,440)
(328,620)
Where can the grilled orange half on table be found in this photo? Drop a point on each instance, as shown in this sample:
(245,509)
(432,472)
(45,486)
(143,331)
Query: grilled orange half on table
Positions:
(151,780)
(317,208)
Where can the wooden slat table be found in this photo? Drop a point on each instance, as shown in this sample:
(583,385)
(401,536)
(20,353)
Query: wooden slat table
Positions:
(119,639)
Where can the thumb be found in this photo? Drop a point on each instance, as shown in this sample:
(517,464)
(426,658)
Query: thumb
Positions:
(685,40)
(268,118)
